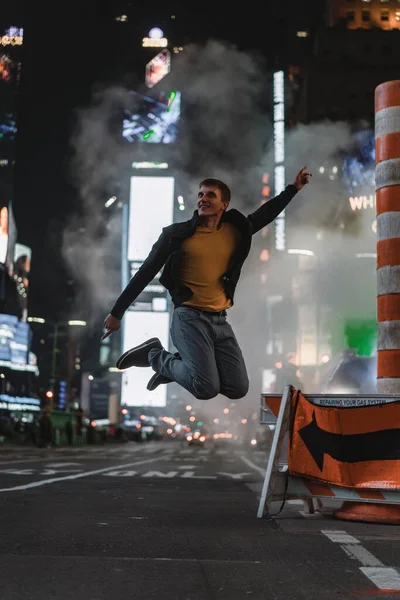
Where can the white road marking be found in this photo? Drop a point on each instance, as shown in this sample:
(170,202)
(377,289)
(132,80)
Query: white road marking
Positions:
(168,475)
(191,475)
(120,474)
(55,471)
(34,484)
(340,536)
(18,471)
(62,464)
(234,475)
(250,464)
(16,461)
(384,578)
(358,552)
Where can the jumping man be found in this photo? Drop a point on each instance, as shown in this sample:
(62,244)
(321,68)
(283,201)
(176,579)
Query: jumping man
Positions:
(202,260)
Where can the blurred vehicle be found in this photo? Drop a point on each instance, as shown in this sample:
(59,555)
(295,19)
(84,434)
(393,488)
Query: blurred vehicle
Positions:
(196,437)
(351,374)
(153,429)
(131,429)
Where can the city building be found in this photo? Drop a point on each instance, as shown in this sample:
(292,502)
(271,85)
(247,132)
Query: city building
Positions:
(19,401)
(364,14)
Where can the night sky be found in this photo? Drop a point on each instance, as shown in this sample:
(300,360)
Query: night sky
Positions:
(69,47)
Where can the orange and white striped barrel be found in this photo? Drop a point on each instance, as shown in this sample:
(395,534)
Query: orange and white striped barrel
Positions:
(387,143)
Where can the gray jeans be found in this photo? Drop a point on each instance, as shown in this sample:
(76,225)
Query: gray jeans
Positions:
(209,362)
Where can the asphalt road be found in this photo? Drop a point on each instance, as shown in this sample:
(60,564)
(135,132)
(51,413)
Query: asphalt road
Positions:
(164,521)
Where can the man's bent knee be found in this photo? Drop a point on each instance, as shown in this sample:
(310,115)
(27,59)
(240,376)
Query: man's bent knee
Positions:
(239,391)
(203,391)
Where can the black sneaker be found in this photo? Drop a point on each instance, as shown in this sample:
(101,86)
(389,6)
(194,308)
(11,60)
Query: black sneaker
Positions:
(138,356)
(156,380)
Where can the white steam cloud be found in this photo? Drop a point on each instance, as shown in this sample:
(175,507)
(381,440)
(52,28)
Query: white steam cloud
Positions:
(227,119)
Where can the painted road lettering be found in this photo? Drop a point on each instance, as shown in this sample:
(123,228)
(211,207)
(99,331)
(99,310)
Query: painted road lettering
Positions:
(172,474)
(168,475)
(191,475)
(120,474)
(234,475)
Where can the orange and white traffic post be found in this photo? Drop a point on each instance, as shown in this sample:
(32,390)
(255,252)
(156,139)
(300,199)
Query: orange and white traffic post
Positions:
(387,144)
(387,177)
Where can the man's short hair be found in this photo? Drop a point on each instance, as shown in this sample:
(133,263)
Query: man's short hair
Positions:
(225,191)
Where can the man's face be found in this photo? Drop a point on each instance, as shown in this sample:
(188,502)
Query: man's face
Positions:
(209,202)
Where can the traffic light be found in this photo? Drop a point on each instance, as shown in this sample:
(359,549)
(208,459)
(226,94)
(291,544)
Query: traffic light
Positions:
(49,394)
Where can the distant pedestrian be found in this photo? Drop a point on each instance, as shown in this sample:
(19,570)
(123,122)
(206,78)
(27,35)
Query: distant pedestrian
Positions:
(45,430)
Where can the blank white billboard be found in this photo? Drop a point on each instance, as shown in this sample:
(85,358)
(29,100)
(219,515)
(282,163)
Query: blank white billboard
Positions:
(138,327)
(151,206)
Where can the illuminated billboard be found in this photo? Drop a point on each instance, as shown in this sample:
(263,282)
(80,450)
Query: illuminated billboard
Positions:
(8,234)
(358,171)
(279,154)
(13,36)
(14,344)
(155,39)
(158,68)
(10,68)
(148,196)
(152,120)
(151,203)
(151,206)
(137,327)
(358,178)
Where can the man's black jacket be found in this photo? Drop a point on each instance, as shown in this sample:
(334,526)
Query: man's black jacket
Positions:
(166,253)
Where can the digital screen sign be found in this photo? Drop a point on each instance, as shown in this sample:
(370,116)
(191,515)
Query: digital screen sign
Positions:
(139,326)
(152,120)
(148,195)
(158,193)
(158,68)
(8,235)
(10,68)
(358,179)
(19,403)
(14,344)
(358,170)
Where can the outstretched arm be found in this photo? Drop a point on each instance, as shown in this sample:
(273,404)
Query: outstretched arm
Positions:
(272,208)
(149,269)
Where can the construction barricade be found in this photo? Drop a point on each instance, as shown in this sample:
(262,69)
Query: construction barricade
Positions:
(334,447)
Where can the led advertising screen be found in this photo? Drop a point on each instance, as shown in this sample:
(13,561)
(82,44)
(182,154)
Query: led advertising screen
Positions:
(4,223)
(138,327)
(151,205)
(358,170)
(14,344)
(152,119)
(158,194)
(22,262)
(358,178)
(158,68)
(19,403)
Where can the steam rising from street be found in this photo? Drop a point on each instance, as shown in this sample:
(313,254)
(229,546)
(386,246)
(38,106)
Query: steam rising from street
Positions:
(229,136)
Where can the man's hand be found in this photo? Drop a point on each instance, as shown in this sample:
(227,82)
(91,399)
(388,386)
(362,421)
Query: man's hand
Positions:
(302,178)
(111,324)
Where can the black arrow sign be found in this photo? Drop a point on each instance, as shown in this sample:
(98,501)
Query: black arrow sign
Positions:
(377,445)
